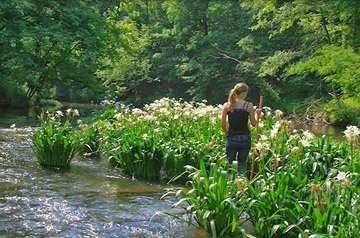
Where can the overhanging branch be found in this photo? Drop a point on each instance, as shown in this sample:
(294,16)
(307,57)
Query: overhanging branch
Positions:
(226,55)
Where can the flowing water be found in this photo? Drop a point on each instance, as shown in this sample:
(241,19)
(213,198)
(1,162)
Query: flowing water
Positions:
(89,199)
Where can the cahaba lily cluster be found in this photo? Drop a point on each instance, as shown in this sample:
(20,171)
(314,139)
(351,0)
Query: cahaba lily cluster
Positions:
(304,186)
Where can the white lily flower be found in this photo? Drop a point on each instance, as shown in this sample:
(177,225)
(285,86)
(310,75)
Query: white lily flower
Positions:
(267,111)
(352,133)
(137,112)
(119,116)
(273,132)
(213,120)
(263,137)
(308,135)
(294,150)
(305,142)
(278,113)
(164,111)
(75,112)
(259,146)
(277,124)
(59,113)
(149,118)
(341,176)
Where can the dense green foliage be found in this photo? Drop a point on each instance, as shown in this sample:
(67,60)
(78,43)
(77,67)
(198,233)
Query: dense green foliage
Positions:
(292,52)
(49,43)
(303,186)
(214,201)
(90,140)
(161,139)
(55,143)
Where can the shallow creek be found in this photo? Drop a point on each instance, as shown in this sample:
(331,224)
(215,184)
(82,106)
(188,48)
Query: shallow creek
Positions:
(89,199)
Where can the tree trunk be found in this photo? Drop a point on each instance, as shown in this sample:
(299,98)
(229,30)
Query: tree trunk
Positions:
(356,24)
(323,21)
(147,12)
(204,20)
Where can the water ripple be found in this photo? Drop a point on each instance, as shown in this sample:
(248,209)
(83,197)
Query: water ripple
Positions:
(89,199)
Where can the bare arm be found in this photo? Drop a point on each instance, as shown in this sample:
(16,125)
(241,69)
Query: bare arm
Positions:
(252,116)
(224,112)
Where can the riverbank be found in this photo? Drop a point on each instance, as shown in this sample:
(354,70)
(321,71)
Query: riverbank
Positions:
(23,117)
(319,127)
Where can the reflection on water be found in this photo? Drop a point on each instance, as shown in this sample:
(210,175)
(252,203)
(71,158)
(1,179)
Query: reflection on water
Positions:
(21,117)
(89,199)
(335,132)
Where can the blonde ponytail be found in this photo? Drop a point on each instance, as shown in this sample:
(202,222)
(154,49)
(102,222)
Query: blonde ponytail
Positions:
(231,100)
(237,90)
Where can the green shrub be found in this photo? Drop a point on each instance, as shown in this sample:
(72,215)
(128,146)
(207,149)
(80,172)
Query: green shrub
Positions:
(90,139)
(138,156)
(215,201)
(304,186)
(50,102)
(163,137)
(12,94)
(55,143)
(344,112)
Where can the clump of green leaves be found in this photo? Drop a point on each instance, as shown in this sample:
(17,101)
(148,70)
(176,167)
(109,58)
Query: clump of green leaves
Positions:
(163,137)
(138,156)
(215,200)
(90,139)
(304,186)
(55,143)
(344,112)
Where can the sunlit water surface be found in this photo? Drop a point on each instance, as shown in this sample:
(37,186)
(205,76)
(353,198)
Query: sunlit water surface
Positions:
(89,199)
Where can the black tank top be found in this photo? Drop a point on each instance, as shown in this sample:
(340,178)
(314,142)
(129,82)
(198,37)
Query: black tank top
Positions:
(238,121)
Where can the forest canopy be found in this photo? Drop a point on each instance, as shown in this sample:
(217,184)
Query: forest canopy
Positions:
(294,52)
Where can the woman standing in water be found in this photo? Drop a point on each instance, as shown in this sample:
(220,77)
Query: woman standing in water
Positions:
(238,111)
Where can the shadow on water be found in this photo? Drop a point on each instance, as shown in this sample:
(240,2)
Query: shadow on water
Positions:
(19,116)
(87,199)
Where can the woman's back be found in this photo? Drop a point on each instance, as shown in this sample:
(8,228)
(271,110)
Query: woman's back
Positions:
(238,120)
